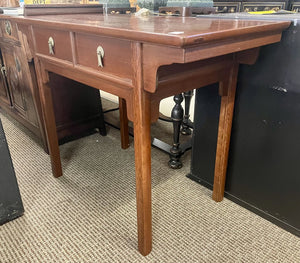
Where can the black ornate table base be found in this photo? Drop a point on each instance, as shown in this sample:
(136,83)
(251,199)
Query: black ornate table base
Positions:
(181,124)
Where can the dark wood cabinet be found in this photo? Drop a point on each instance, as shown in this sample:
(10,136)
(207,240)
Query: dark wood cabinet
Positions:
(233,6)
(76,110)
(20,84)
(15,79)
(295,6)
(266,5)
(4,94)
(227,6)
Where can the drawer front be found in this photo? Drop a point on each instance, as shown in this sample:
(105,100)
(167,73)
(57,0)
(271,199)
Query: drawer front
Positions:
(227,7)
(117,54)
(61,43)
(9,29)
(263,6)
(296,7)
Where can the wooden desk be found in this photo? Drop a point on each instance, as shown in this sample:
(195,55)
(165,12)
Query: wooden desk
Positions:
(145,60)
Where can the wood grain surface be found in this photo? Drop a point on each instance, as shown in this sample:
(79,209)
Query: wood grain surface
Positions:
(163,56)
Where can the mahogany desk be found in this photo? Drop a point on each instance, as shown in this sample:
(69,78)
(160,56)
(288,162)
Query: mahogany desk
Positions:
(144,60)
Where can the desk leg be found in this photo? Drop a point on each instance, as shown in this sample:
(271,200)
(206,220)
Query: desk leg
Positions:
(50,127)
(142,148)
(49,122)
(227,91)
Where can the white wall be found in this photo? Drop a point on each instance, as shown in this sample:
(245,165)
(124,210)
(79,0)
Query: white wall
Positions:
(165,107)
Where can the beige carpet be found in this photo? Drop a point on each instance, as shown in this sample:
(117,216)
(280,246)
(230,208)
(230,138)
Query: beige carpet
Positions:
(89,214)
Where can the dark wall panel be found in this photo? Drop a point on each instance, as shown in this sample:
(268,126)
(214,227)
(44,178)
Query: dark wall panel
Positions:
(263,168)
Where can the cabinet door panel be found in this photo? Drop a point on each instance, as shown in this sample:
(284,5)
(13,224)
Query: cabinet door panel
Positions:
(27,86)
(4,94)
(20,84)
(13,72)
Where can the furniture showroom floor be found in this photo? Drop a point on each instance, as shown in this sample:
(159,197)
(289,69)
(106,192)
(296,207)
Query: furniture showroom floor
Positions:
(89,214)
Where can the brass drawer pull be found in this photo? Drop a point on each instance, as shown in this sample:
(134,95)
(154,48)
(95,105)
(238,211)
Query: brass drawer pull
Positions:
(18,65)
(51,45)
(100,55)
(7,27)
(3,70)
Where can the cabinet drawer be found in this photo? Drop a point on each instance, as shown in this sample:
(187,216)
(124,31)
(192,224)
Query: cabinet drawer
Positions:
(9,29)
(295,7)
(117,54)
(254,6)
(227,7)
(61,43)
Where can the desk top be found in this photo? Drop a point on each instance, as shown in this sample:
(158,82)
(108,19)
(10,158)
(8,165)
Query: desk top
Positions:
(175,31)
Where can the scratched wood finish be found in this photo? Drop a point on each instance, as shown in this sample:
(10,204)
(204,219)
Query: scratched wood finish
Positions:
(174,31)
(168,55)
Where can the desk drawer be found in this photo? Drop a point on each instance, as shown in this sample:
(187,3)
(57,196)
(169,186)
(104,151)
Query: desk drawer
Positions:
(117,54)
(61,41)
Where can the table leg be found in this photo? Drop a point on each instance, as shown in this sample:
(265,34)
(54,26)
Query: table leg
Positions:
(123,124)
(50,127)
(186,130)
(142,148)
(49,122)
(176,116)
(227,91)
